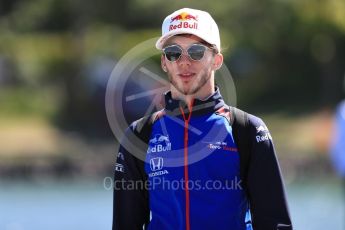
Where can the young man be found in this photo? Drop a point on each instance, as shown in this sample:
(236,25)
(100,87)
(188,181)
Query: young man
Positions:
(195,175)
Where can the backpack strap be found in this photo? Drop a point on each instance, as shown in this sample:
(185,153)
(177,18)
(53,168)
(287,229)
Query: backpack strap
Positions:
(240,126)
(143,126)
(239,122)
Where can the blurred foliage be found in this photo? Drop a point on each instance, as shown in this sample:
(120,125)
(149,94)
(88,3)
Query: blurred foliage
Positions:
(285,56)
(15,103)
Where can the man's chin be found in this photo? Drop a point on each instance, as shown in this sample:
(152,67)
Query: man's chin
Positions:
(183,89)
(189,92)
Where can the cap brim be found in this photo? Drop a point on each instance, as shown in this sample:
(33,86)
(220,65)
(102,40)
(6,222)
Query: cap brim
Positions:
(162,40)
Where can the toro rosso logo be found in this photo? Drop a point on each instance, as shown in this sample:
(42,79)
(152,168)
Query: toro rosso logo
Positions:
(186,21)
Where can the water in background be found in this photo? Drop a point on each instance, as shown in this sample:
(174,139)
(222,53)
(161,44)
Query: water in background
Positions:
(88,205)
(317,205)
(55,206)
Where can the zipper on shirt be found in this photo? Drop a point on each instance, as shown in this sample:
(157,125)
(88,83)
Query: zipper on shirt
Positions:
(186,177)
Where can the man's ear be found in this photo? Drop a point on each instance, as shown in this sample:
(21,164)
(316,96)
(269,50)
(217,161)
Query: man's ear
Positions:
(163,63)
(217,61)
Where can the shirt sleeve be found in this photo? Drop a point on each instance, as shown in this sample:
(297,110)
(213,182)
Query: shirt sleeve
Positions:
(130,201)
(264,181)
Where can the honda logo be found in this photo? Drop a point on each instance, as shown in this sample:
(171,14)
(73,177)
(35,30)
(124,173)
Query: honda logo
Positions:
(156,163)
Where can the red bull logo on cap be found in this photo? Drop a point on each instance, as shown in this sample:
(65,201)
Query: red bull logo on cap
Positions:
(184,17)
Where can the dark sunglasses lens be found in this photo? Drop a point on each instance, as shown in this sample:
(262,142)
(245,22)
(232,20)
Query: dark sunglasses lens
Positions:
(196,52)
(172,53)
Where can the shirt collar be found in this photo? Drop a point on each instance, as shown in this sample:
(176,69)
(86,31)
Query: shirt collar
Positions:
(208,105)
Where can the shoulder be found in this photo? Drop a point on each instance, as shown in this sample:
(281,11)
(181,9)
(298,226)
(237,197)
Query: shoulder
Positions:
(257,129)
(252,121)
(255,121)
(143,125)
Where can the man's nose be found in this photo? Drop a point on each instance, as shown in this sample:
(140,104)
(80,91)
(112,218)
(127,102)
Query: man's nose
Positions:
(184,60)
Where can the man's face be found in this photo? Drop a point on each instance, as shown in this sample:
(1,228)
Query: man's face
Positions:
(189,76)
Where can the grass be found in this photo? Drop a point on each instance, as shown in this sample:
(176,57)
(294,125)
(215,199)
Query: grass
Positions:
(19,103)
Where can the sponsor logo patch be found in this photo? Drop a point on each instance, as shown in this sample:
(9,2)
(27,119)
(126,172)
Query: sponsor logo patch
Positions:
(261,128)
(156,165)
(184,16)
(185,21)
(262,134)
(220,145)
(159,143)
(121,156)
(119,168)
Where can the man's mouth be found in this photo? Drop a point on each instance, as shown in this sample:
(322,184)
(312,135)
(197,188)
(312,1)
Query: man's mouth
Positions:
(186,76)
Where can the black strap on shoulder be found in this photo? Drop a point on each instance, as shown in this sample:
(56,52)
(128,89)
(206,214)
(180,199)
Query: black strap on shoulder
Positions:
(240,126)
(144,125)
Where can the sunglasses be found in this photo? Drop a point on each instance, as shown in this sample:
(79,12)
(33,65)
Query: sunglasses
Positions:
(195,52)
